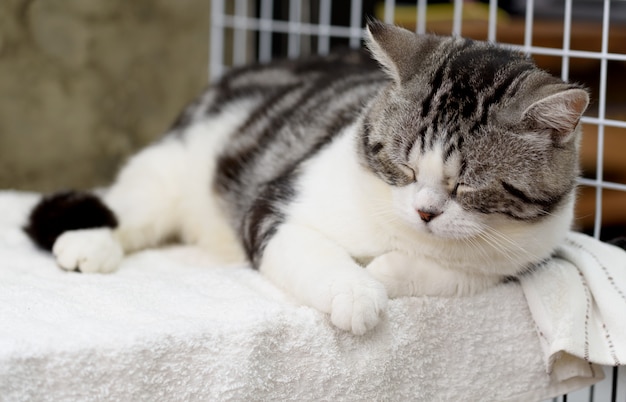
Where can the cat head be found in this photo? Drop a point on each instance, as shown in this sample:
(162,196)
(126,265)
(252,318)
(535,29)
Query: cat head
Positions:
(470,134)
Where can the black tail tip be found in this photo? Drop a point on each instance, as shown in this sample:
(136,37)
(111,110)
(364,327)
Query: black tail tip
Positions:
(69,210)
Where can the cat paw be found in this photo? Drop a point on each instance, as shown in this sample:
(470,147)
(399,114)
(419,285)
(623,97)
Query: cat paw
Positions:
(394,271)
(357,307)
(88,251)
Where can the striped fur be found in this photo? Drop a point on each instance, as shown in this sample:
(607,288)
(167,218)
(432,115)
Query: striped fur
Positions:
(443,164)
(301,108)
(461,95)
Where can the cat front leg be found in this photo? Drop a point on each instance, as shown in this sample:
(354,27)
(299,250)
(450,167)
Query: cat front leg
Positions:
(319,273)
(406,275)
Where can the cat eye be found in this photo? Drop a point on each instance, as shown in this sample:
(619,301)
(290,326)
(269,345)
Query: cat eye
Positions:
(461,187)
(409,171)
(455,190)
(452,184)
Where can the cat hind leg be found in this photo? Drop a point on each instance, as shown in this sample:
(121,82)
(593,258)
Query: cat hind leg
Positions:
(70,223)
(139,210)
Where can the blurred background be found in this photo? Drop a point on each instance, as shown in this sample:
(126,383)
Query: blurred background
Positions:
(84,83)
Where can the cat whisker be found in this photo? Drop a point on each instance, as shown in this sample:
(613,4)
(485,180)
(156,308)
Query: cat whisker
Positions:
(477,246)
(384,213)
(510,255)
(510,245)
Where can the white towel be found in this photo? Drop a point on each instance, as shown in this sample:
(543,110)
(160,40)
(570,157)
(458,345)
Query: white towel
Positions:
(578,301)
(170,325)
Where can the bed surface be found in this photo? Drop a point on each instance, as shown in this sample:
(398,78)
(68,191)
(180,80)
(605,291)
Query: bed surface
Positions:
(170,324)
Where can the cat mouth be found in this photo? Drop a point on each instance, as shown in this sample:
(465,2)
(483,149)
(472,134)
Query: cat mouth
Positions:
(446,233)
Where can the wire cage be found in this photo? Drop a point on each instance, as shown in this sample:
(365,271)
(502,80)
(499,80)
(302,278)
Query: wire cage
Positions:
(581,41)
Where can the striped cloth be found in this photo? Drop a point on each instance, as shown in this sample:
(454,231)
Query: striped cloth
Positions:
(578,302)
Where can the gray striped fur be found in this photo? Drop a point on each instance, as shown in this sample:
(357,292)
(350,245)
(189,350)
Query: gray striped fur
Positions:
(489,107)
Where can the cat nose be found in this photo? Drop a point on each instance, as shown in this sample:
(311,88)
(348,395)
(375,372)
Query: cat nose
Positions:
(428,215)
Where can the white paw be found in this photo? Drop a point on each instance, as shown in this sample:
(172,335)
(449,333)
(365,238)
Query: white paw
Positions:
(88,250)
(356,307)
(395,271)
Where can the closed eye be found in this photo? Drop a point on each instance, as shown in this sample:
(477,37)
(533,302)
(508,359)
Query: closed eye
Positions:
(461,187)
(409,171)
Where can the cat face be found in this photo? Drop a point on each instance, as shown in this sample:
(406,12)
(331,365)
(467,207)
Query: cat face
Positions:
(470,135)
(431,202)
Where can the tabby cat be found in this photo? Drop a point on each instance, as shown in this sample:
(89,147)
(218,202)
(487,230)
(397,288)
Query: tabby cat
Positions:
(446,171)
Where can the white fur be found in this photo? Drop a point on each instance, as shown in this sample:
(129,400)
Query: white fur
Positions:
(457,253)
(342,213)
(320,273)
(163,192)
(88,250)
(166,191)
(312,256)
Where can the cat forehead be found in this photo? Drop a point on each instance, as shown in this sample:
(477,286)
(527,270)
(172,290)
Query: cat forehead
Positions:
(446,99)
(439,162)
(461,71)
(466,77)
(478,59)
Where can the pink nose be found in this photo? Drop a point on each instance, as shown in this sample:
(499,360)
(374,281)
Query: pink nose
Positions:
(427,215)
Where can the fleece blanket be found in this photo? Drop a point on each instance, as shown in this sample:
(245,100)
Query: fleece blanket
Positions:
(172,325)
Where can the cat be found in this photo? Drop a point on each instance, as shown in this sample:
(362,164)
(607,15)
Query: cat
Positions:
(440,166)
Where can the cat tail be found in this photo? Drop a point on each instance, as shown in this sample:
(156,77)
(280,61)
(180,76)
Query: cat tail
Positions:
(64,211)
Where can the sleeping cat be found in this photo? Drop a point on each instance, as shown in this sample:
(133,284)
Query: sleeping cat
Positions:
(446,171)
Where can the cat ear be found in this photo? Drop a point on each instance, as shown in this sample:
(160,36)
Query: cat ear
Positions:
(394,48)
(559,112)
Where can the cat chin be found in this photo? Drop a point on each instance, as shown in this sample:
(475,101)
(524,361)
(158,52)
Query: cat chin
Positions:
(443,231)
(452,233)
